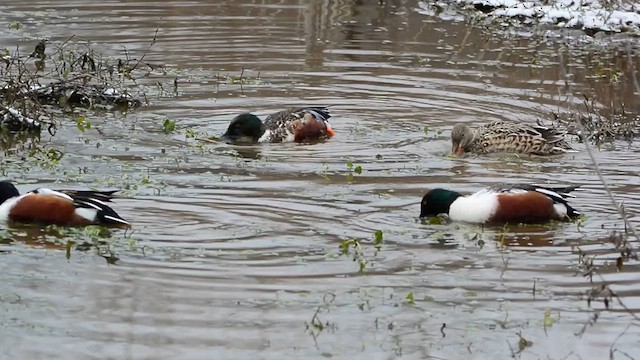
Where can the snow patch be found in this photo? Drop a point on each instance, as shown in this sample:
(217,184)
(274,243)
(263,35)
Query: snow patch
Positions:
(574,14)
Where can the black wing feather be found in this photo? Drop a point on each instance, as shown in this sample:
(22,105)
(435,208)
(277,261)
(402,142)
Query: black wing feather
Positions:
(92,199)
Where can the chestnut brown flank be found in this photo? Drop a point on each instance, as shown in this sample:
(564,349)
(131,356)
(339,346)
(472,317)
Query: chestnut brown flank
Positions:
(310,130)
(47,209)
(528,207)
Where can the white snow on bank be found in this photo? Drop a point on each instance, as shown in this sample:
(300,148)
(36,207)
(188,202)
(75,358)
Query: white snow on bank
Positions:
(575,14)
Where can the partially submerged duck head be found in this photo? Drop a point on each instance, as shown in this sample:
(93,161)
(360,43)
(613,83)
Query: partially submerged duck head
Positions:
(461,137)
(437,201)
(245,127)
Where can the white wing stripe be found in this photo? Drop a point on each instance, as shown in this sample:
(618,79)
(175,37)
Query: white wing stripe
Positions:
(45,191)
(549,193)
(116,219)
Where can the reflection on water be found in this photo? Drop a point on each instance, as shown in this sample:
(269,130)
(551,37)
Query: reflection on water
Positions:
(235,248)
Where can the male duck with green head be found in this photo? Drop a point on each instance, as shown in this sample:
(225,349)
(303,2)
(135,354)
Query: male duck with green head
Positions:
(294,125)
(502,204)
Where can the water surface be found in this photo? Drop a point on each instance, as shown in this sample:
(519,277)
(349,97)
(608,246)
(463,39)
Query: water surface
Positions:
(235,248)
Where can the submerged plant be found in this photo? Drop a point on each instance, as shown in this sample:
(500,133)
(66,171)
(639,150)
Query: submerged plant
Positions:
(357,253)
(351,170)
(168,126)
(355,248)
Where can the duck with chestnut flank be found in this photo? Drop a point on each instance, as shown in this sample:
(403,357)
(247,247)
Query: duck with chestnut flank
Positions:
(292,125)
(502,204)
(57,207)
(510,137)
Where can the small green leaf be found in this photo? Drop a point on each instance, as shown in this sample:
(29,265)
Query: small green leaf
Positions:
(378,157)
(358,169)
(344,246)
(523,343)
(168,126)
(15,26)
(349,165)
(377,240)
(68,249)
(426,130)
(410,298)
(81,123)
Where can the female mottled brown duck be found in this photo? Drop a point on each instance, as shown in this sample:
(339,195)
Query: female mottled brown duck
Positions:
(510,137)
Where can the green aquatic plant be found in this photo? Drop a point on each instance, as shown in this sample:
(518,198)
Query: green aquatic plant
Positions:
(239,80)
(522,342)
(354,247)
(351,169)
(580,222)
(358,254)
(104,241)
(548,320)
(316,326)
(168,126)
(377,240)
(409,298)
(83,124)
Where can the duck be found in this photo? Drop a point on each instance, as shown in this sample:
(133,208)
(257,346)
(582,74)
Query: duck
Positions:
(502,204)
(57,207)
(511,137)
(292,125)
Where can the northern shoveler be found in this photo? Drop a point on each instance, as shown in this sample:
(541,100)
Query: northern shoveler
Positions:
(293,125)
(501,204)
(502,136)
(58,207)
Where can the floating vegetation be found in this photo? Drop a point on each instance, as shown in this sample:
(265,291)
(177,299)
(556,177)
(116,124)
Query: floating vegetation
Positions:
(168,126)
(239,80)
(99,239)
(351,169)
(354,248)
(37,88)
(316,326)
(410,299)
(599,128)
(358,254)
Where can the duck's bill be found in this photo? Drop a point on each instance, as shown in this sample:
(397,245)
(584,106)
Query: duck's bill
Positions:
(457,149)
(330,131)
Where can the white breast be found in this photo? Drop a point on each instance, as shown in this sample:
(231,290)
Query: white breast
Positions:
(6,207)
(475,208)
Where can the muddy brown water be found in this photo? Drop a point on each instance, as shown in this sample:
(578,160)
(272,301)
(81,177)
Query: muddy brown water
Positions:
(235,249)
